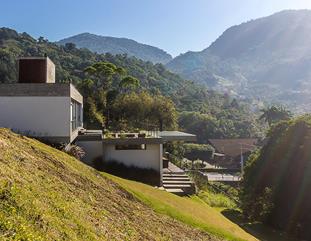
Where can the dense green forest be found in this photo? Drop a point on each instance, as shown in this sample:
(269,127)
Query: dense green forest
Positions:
(277,179)
(148,94)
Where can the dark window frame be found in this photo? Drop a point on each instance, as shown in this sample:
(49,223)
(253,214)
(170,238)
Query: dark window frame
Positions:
(137,147)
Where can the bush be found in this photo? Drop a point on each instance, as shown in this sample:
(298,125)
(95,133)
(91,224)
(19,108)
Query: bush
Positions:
(216,194)
(198,151)
(217,200)
(277,179)
(75,151)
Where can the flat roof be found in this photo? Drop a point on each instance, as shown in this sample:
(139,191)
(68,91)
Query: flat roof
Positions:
(132,141)
(90,135)
(40,89)
(233,147)
(177,136)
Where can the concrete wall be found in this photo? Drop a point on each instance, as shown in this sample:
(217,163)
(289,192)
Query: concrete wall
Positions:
(149,158)
(36,70)
(93,150)
(40,116)
(50,71)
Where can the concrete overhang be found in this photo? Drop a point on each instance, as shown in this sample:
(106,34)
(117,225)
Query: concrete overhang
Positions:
(132,141)
(40,89)
(177,136)
(90,135)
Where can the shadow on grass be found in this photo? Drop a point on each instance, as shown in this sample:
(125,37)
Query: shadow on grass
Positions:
(147,176)
(258,230)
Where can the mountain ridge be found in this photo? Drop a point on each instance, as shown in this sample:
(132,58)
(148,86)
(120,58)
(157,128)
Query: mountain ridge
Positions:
(267,58)
(114,45)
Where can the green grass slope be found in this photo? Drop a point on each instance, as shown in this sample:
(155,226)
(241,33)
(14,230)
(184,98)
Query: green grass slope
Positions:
(192,211)
(47,195)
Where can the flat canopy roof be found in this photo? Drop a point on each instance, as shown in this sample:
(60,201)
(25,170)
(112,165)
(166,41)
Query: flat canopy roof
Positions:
(177,136)
(40,89)
(132,141)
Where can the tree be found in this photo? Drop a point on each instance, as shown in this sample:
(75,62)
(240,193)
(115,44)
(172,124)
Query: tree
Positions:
(92,114)
(103,72)
(129,83)
(69,46)
(276,182)
(274,114)
(42,40)
(144,111)
(164,113)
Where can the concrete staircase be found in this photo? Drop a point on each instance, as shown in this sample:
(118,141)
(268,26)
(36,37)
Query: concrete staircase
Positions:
(178,183)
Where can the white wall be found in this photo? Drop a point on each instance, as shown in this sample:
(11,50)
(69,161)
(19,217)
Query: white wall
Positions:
(93,150)
(149,158)
(44,116)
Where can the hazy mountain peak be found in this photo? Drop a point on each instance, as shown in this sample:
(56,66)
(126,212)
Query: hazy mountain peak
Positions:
(113,45)
(267,58)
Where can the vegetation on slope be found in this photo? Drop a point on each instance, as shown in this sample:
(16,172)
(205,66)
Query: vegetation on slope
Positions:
(46,194)
(193,211)
(277,179)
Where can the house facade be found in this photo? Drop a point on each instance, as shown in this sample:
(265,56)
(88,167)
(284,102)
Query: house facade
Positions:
(37,106)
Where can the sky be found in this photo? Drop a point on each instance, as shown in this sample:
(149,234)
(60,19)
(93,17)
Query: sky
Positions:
(175,26)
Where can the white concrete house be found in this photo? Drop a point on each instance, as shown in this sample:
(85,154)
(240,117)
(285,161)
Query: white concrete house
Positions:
(144,151)
(37,106)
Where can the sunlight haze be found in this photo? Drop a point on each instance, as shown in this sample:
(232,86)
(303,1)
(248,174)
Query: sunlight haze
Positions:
(176,26)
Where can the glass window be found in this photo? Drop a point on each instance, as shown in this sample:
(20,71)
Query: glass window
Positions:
(75,115)
(131,147)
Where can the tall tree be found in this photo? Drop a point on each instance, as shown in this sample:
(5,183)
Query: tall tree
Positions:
(274,114)
(129,83)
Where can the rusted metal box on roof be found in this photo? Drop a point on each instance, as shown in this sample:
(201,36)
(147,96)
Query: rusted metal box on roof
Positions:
(36,70)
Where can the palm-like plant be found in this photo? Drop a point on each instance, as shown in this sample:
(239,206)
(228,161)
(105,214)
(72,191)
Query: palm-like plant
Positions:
(274,114)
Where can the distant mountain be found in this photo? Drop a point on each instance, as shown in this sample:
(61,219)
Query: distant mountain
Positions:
(101,44)
(268,58)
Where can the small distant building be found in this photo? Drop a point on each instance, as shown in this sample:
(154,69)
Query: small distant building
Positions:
(37,106)
(228,151)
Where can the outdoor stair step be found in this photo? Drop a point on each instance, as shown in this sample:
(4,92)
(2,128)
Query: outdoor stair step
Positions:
(174,175)
(176,185)
(177,178)
(177,182)
(176,191)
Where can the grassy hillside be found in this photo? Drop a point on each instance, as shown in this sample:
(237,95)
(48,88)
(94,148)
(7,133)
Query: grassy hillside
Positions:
(47,195)
(192,211)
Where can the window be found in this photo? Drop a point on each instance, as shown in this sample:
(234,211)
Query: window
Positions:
(131,147)
(75,115)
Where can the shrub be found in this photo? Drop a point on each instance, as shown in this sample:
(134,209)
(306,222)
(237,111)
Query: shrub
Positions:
(203,152)
(277,179)
(75,151)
